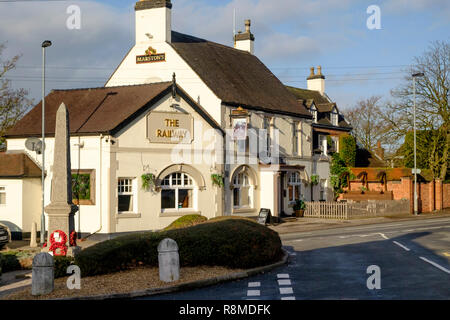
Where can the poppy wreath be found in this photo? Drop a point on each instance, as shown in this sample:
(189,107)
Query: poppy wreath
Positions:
(58,245)
(73,239)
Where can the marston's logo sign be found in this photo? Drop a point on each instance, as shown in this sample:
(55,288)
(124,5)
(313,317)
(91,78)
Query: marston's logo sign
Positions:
(151,56)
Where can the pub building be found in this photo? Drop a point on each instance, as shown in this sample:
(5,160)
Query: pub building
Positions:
(147,147)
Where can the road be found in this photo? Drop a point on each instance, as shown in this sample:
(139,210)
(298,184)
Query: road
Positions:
(412,259)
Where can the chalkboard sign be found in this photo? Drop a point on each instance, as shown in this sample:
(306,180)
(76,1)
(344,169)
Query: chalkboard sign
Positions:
(264,216)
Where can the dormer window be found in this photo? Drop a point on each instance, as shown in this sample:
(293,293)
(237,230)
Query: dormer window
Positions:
(334,118)
(314,113)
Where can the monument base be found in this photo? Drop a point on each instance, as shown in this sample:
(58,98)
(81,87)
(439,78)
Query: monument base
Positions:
(71,251)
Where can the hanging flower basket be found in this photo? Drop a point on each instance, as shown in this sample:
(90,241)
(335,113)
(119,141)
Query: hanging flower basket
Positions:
(148,181)
(218,180)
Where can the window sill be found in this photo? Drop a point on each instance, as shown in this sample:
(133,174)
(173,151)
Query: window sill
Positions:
(244,211)
(176,213)
(128,215)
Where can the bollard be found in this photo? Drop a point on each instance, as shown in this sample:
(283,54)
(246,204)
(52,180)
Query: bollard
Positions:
(169,260)
(33,241)
(42,279)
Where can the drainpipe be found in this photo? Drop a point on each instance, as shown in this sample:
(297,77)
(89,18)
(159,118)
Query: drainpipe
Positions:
(79,145)
(99,193)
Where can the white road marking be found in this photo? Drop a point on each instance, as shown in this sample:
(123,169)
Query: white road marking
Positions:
(401,246)
(288,298)
(253,293)
(254,284)
(284,282)
(383,235)
(436,265)
(287,290)
(364,235)
(282,275)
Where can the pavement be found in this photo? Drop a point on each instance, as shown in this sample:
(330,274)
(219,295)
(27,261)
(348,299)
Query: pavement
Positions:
(296,225)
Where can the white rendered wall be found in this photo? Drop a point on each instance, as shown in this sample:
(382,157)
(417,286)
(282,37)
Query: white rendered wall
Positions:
(88,217)
(317,85)
(131,73)
(157,22)
(11,212)
(246,45)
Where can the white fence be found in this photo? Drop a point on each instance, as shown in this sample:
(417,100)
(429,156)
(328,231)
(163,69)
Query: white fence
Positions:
(360,209)
(327,210)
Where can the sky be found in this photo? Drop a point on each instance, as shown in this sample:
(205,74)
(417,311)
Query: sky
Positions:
(291,36)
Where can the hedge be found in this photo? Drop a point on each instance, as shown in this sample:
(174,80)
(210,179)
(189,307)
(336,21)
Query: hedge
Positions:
(232,243)
(187,221)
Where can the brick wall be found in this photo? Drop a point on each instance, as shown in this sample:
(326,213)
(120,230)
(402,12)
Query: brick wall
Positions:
(446,195)
(431,195)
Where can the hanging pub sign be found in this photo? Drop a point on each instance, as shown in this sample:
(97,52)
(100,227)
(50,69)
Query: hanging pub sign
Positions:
(151,56)
(239,122)
(170,127)
(239,128)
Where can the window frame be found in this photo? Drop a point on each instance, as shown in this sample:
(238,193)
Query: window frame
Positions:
(295,137)
(132,193)
(314,113)
(295,184)
(91,200)
(5,193)
(176,188)
(237,185)
(334,118)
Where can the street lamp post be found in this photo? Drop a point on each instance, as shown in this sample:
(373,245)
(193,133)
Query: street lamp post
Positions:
(45,44)
(414,76)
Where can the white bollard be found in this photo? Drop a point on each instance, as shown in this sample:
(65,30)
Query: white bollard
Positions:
(169,260)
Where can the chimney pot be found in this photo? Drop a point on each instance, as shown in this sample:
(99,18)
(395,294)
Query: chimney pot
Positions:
(312,72)
(247,25)
(319,70)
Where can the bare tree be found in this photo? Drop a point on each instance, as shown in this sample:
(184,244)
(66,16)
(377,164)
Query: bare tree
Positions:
(13,102)
(369,126)
(432,109)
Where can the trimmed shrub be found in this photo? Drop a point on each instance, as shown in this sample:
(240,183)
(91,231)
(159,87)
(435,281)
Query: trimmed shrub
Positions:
(222,218)
(10,262)
(233,243)
(61,265)
(187,221)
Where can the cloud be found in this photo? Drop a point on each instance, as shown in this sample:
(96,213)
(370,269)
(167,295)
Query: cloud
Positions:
(104,38)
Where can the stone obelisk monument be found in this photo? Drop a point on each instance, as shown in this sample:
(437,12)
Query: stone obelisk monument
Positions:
(61,210)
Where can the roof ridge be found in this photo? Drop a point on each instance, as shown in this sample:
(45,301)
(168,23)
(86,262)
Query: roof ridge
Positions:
(213,43)
(121,86)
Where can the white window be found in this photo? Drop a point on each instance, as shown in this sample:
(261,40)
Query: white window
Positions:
(242,192)
(295,149)
(126,195)
(2,195)
(314,113)
(323,144)
(323,184)
(334,118)
(294,186)
(177,192)
(267,127)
